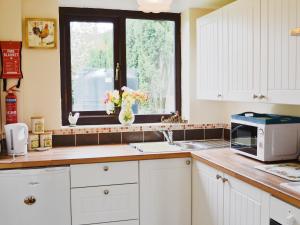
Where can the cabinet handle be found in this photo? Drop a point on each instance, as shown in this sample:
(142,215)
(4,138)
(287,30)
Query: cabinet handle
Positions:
(295,31)
(255,96)
(219,95)
(105,168)
(188,162)
(30,200)
(117,71)
(218,176)
(261,97)
(224,180)
(106,192)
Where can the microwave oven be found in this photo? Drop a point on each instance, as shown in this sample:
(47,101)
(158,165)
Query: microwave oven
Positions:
(265,137)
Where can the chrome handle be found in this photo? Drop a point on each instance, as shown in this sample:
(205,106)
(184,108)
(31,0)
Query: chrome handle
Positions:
(224,180)
(219,95)
(106,192)
(105,168)
(188,162)
(117,71)
(30,200)
(255,96)
(218,176)
(261,97)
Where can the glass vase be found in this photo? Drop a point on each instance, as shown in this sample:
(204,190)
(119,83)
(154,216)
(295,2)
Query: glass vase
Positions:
(126,116)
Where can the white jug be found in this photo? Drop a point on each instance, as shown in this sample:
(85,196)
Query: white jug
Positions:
(16,138)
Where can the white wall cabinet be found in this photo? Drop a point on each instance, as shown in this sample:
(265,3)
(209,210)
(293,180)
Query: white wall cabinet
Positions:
(209,53)
(281,50)
(220,199)
(242,78)
(259,57)
(165,192)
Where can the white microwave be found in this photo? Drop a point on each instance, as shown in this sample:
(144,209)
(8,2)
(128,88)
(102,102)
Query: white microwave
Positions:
(265,137)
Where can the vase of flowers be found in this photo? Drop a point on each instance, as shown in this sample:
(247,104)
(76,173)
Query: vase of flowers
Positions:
(126,100)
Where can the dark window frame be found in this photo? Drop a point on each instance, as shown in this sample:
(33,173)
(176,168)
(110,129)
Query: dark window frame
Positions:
(118,17)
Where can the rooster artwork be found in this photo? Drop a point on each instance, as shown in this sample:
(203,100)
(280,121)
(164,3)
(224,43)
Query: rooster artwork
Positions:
(41,33)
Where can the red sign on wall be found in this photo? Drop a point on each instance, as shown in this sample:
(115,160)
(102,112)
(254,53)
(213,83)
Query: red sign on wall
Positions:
(11,59)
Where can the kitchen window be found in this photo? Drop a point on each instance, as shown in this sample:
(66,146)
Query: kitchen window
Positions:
(103,50)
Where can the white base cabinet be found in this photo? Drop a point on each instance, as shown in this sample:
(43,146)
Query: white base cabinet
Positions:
(104,204)
(35,196)
(219,199)
(105,193)
(165,192)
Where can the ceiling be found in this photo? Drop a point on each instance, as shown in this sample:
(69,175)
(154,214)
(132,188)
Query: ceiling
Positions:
(177,5)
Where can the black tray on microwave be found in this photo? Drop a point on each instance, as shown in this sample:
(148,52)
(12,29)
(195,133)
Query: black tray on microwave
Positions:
(263,118)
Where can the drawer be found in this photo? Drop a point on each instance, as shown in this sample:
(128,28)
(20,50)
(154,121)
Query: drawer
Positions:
(283,212)
(105,204)
(98,174)
(130,222)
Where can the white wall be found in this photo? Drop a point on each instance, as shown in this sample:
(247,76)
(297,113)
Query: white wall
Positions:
(40,89)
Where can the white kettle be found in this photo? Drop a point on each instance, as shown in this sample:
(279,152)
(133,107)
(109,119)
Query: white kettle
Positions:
(16,138)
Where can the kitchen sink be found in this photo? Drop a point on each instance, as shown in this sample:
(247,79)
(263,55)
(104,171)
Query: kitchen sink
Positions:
(156,147)
(202,145)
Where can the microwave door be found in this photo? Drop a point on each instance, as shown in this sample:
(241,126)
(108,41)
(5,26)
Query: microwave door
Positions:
(244,138)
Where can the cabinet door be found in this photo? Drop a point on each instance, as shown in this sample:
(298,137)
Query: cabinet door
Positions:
(281,50)
(207,202)
(243,33)
(244,204)
(165,192)
(49,192)
(209,56)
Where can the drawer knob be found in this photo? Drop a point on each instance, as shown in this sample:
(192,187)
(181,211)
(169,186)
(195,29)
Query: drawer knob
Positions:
(188,162)
(30,200)
(105,168)
(106,192)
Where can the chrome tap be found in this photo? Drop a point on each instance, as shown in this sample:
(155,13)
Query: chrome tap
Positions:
(168,136)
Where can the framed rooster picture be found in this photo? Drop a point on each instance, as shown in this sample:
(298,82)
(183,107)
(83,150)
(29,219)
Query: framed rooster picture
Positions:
(40,33)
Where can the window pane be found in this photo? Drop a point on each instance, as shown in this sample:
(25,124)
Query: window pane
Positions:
(150,49)
(91,64)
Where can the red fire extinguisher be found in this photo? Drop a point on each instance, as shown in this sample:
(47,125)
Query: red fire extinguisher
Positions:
(11,106)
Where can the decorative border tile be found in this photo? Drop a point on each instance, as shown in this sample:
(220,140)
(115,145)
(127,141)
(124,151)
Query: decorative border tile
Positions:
(134,128)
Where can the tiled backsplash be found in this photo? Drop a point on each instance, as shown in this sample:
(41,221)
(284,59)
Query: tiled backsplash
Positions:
(117,134)
(135,136)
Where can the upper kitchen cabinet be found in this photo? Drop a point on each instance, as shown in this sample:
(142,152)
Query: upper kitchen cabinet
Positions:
(242,25)
(281,50)
(210,54)
(229,53)
(257,54)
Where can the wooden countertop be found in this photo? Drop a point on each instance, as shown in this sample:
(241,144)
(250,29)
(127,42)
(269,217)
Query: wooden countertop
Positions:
(83,155)
(224,160)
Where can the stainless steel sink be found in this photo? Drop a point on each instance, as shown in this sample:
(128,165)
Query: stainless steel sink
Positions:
(156,147)
(202,145)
